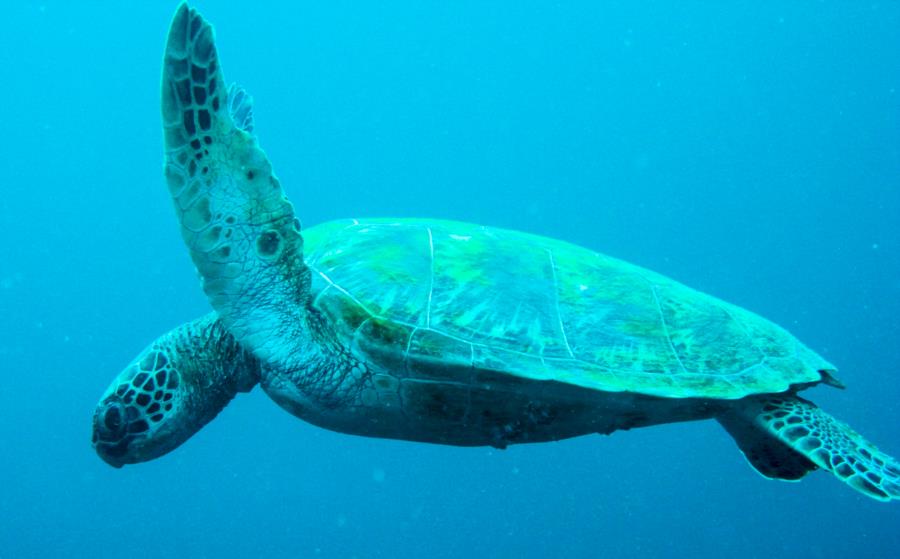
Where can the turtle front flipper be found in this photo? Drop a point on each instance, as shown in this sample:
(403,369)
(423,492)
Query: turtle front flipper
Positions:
(238,224)
(784,437)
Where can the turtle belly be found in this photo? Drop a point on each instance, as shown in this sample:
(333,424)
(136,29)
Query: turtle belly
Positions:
(497,412)
(504,413)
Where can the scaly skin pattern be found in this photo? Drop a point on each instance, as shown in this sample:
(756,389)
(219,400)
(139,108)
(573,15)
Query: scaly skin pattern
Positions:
(235,219)
(826,442)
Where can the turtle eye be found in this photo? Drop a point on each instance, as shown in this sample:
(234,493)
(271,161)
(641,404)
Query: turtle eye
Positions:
(112,419)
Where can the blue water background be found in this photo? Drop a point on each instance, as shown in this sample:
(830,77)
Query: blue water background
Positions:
(748,149)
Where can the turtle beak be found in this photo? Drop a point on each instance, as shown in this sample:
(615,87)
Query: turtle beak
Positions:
(110,431)
(108,459)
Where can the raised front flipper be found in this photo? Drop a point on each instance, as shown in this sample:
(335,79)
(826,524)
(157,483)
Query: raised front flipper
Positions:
(235,219)
(784,437)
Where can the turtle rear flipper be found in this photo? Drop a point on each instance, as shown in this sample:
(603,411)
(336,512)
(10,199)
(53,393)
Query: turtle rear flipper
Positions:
(768,456)
(785,437)
(235,218)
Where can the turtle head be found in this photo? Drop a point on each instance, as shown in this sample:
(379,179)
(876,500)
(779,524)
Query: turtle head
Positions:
(172,389)
(142,414)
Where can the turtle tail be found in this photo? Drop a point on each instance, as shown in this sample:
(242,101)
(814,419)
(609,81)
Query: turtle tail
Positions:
(785,437)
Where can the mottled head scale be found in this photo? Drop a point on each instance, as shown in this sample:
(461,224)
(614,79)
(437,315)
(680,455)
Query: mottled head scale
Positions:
(135,416)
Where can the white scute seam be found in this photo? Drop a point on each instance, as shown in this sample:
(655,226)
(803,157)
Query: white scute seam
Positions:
(562,328)
(431,280)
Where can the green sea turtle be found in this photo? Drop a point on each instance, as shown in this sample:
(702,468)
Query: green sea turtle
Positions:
(439,331)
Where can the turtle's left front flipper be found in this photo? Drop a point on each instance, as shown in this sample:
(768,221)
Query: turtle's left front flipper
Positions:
(786,436)
(238,224)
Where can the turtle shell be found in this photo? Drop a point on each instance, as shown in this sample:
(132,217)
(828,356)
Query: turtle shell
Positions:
(447,300)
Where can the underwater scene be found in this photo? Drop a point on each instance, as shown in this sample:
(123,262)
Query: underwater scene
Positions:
(449,279)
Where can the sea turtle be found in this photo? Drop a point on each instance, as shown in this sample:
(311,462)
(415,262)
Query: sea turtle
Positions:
(439,331)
